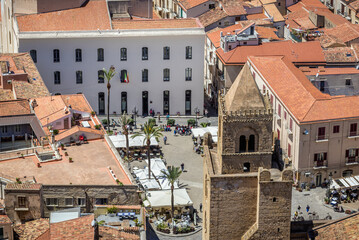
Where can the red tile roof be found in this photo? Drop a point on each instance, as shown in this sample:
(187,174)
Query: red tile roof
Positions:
(14,108)
(109,233)
(33,229)
(344,229)
(341,34)
(328,71)
(77,129)
(305,102)
(23,186)
(4,219)
(273,11)
(188,4)
(341,55)
(94,15)
(79,228)
(157,23)
(257,16)
(305,53)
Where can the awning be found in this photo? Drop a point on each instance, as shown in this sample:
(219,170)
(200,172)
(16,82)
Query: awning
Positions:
(199,132)
(162,198)
(150,184)
(119,141)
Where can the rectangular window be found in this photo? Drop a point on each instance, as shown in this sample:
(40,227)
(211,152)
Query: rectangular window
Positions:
(289,150)
(3,129)
(56,55)
(321,133)
(33,55)
(69,201)
(57,78)
(291,125)
(188,74)
(348,82)
(1,232)
(100,76)
(336,129)
(124,76)
(188,52)
(353,129)
(144,53)
(21,202)
(17,128)
(145,75)
(285,115)
(166,53)
(211,6)
(100,55)
(166,74)
(351,155)
(81,201)
(101,201)
(264,89)
(320,158)
(271,99)
(279,110)
(78,54)
(123,54)
(52,202)
(78,77)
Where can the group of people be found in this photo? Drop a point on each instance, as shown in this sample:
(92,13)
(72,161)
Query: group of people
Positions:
(182,130)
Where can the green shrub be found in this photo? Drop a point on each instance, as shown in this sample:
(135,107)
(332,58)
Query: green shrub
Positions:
(104,121)
(111,210)
(204,124)
(98,126)
(191,122)
(171,122)
(152,121)
(56,131)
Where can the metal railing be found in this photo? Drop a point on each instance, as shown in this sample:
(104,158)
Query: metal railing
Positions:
(321,163)
(321,137)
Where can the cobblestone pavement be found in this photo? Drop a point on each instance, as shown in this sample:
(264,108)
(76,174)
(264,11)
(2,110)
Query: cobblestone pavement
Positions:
(315,199)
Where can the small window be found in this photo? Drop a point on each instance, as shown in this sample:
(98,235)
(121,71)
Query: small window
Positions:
(188,74)
(211,6)
(100,76)
(100,55)
(144,53)
(81,201)
(78,55)
(247,167)
(3,129)
(56,55)
(166,53)
(285,115)
(188,52)
(348,82)
(21,202)
(57,78)
(52,202)
(123,54)
(336,129)
(78,77)
(145,75)
(69,201)
(124,76)
(101,201)
(33,55)
(17,128)
(166,74)
(275,200)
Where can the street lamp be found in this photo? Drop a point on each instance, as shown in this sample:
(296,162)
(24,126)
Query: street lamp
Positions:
(135,111)
(196,110)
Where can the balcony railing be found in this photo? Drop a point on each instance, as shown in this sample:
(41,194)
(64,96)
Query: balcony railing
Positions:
(329,6)
(321,164)
(321,138)
(351,160)
(353,134)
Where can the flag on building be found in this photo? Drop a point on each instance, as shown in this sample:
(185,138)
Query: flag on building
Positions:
(126,79)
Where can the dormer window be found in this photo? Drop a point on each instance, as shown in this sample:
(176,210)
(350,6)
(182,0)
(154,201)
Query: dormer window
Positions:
(252,30)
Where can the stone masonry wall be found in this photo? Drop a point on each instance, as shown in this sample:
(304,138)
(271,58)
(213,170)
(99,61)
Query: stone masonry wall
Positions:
(233,206)
(233,163)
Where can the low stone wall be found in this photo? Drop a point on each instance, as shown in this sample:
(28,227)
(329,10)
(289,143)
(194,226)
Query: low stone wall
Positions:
(234,163)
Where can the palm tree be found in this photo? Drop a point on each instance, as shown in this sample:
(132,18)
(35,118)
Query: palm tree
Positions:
(149,131)
(108,75)
(125,120)
(172,175)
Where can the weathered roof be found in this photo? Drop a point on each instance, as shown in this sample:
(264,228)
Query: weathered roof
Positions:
(244,93)
(93,16)
(157,23)
(32,229)
(23,186)
(305,102)
(14,108)
(305,52)
(4,219)
(340,55)
(188,4)
(273,11)
(328,71)
(110,233)
(76,129)
(212,16)
(340,34)
(79,228)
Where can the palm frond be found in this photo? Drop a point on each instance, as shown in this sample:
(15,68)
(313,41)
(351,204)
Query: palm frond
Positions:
(172,174)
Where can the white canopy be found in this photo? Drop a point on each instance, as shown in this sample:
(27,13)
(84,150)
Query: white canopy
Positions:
(162,198)
(199,132)
(157,166)
(345,182)
(142,173)
(150,183)
(119,141)
(165,184)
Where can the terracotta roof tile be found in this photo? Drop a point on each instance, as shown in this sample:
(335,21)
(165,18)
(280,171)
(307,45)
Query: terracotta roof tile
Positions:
(306,52)
(23,186)
(341,34)
(340,55)
(345,229)
(109,233)
(14,108)
(273,11)
(257,16)
(305,102)
(212,16)
(4,219)
(328,71)
(156,23)
(234,7)
(93,16)
(32,229)
(355,5)
(79,228)
(188,4)
(77,129)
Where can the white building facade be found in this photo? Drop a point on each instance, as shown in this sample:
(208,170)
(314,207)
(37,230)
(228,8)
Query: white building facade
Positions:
(164,67)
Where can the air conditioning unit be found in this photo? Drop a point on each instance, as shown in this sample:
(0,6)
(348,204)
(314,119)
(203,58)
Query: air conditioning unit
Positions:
(9,81)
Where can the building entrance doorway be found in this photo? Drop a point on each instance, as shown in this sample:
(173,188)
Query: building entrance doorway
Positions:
(144,103)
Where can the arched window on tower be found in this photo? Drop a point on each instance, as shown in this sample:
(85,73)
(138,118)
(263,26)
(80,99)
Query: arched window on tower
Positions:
(242,143)
(251,143)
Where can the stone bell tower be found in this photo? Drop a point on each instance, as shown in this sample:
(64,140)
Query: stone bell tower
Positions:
(244,198)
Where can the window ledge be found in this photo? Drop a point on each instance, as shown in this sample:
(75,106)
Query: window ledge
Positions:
(321,167)
(21,209)
(353,163)
(322,140)
(356,136)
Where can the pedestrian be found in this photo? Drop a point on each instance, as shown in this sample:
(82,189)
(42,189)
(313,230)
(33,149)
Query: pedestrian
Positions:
(299,208)
(165,140)
(182,166)
(206,112)
(167,117)
(200,207)
(307,208)
(175,132)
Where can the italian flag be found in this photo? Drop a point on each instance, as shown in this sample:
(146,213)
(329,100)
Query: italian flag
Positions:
(126,79)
